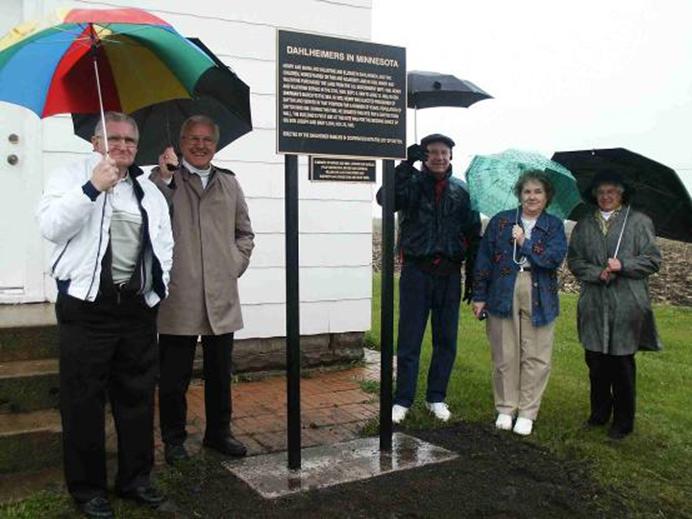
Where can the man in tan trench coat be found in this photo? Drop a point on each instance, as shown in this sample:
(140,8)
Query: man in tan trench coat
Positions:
(213,243)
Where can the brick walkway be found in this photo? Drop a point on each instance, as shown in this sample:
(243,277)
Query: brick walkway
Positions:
(334,408)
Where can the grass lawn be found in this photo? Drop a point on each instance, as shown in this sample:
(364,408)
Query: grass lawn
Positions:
(652,468)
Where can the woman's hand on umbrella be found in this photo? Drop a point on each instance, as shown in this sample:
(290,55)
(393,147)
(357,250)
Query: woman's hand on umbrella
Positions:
(614,265)
(518,234)
(168,162)
(105,175)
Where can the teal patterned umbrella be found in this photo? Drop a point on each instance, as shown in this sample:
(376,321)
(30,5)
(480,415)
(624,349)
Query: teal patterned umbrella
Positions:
(491,180)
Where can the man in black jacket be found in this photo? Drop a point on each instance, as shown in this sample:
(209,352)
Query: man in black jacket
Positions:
(438,231)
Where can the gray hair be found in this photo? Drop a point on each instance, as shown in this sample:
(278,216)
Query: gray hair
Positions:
(115,117)
(200,119)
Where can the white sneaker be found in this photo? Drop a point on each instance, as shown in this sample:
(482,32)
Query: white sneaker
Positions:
(523,426)
(398,413)
(504,422)
(439,409)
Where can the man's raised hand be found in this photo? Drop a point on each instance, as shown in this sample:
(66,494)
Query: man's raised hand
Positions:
(168,162)
(105,174)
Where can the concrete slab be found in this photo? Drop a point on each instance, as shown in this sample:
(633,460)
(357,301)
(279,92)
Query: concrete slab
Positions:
(34,314)
(328,465)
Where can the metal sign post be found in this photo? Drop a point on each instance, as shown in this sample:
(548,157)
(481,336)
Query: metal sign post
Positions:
(387,306)
(344,99)
(292,312)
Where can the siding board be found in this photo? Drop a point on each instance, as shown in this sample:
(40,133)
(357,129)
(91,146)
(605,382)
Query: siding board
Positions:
(335,218)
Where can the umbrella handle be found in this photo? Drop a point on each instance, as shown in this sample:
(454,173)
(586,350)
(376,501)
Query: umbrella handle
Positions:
(98,90)
(622,231)
(98,87)
(103,114)
(523,260)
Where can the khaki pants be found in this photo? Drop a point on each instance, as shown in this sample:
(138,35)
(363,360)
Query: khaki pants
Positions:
(521,355)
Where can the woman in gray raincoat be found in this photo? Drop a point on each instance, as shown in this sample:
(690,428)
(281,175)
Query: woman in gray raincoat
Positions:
(612,252)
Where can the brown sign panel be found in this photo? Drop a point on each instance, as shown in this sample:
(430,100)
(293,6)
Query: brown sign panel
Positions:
(340,97)
(342,169)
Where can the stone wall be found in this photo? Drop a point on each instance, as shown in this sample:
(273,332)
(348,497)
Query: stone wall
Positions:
(671,285)
(255,356)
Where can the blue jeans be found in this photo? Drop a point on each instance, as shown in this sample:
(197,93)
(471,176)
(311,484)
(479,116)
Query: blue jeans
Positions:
(421,294)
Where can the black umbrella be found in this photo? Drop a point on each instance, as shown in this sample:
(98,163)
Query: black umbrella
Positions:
(431,89)
(219,94)
(657,189)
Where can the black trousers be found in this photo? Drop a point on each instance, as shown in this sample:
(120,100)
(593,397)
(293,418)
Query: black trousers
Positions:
(177,353)
(613,389)
(107,350)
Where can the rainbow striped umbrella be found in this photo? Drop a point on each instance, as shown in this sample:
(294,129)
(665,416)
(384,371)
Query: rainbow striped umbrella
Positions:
(90,60)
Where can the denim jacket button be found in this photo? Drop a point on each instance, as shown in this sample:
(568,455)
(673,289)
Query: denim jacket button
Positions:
(536,285)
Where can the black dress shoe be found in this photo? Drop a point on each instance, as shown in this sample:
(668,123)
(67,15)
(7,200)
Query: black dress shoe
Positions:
(149,496)
(97,507)
(175,453)
(616,433)
(228,446)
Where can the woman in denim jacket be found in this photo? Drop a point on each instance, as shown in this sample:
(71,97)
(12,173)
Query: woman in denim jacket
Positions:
(515,286)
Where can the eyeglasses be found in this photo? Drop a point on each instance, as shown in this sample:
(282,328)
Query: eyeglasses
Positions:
(207,141)
(113,140)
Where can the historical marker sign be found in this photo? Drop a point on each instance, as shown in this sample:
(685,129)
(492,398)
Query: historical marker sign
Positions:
(340,97)
(341,169)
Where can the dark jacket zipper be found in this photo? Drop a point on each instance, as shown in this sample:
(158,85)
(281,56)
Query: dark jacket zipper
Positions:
(62,253)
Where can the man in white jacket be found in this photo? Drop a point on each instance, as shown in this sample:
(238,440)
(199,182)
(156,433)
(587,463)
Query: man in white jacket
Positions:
(113,253)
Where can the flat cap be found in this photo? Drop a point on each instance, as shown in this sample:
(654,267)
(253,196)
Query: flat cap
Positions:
(436,137)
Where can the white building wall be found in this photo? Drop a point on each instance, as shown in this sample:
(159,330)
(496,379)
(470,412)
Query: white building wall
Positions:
(335,218)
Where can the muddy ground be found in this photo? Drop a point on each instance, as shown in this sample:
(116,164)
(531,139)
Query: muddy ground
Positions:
(497,475)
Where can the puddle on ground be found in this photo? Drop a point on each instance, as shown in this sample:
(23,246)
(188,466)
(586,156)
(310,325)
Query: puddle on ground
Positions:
(328,465)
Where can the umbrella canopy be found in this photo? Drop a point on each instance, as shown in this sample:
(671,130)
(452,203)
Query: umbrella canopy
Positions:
(218,94)
(656,189)
(430,89)
(491,180)
(48,66)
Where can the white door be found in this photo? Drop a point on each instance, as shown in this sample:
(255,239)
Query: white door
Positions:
(21,182)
